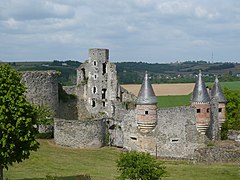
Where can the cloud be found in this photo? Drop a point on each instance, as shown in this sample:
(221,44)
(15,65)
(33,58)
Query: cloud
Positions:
(151,29)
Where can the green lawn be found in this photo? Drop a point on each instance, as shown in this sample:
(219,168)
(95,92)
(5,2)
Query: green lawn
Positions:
(234,85)
(173,101)
(100,164)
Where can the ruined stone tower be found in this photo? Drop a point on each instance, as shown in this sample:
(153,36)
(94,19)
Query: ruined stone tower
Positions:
(217,93)
(146,109)
(98,78)
(201,101)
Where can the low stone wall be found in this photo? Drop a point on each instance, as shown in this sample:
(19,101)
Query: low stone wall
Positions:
(234,135)
(230,152)
(80,133)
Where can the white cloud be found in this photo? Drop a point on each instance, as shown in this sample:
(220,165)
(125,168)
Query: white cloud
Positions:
(161,29)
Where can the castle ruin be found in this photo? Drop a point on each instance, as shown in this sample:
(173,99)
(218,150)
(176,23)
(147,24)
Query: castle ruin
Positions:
(103,113)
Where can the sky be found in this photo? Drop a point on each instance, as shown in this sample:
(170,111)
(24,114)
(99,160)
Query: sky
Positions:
(154,31)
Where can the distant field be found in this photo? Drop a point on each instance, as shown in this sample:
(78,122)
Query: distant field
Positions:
(173,101)
(163,89)
(101,165)
(234,85)
(173,95)
(176,89)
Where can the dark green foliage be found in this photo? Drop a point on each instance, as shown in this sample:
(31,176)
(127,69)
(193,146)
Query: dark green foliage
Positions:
(44,115)
(46,135)
(139,166)
(17,119)
(232,111)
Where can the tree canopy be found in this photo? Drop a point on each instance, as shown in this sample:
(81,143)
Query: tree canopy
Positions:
(17,120)
(232,112)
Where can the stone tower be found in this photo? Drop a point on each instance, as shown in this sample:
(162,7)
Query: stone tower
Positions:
(146,108)
(201,101)
(217,93)
(98,78)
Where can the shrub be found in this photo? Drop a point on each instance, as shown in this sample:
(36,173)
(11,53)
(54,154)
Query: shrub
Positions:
(139,165)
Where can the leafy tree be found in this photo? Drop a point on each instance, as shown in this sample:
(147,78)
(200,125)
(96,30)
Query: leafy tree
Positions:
(232,112)
(139,166)
(17,120)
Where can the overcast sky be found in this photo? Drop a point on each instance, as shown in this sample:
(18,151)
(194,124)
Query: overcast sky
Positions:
(134,30)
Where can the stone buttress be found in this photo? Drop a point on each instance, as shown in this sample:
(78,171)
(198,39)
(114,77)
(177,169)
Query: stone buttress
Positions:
(201,102)
(146,109)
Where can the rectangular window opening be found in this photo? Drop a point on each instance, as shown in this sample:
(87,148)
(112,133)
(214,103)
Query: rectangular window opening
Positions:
(133,138)
(219,109)
(198,110)
(146,112)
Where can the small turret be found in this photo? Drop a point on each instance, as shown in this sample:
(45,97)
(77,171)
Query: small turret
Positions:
(201,101)
(200,94)
(146,107)
(217,93)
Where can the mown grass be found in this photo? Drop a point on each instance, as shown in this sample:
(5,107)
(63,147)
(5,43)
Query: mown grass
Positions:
(173,101)
(101,164)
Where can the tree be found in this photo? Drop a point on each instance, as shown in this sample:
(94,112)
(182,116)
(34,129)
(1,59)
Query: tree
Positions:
(139,166)
(17,120)
(232,112)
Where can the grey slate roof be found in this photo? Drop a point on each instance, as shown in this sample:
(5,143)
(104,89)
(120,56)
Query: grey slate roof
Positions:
(146,94)
(200,94)
(217,92)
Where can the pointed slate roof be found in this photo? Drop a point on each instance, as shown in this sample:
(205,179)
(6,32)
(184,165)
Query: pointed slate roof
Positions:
(217,92)
(146,94)
(200,94)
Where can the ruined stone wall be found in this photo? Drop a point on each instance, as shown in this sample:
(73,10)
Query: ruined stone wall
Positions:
(80,133)
(42,88)
(97,80)
(127,96)
(70,89)
(174,136)
(225,151)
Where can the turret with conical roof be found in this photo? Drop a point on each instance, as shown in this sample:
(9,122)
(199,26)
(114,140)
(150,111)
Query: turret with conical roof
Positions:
(217,93)
(200,94)
(146,108)
(201,102)
(146,94)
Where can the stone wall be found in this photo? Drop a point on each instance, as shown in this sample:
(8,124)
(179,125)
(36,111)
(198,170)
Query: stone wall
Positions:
(234,135)
(42,88)
(127,96)
(175,135)
(222,151)
(80,133)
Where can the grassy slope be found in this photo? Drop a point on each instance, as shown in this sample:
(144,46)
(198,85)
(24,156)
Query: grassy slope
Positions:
(100,164)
